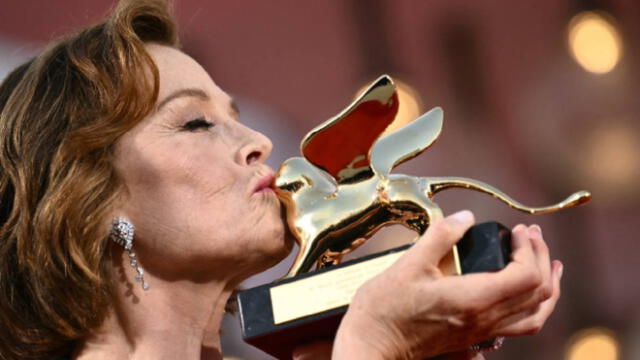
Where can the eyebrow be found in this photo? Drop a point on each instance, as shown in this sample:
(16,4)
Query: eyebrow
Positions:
(194,92)
(190,92)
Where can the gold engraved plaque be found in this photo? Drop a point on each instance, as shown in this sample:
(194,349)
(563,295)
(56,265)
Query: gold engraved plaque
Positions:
(326,291)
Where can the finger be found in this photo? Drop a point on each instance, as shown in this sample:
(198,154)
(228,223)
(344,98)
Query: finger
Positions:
(522,249)
(520,276)
(544,262)
(531,299)
(522,305)
(440,238)
(488,294)
(531,322)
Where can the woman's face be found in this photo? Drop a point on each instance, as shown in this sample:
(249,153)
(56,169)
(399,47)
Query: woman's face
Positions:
(197,188)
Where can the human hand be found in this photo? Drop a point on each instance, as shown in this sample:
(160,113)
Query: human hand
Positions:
(413,311)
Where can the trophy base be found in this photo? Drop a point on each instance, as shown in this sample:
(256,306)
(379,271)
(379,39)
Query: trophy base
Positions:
(283,315)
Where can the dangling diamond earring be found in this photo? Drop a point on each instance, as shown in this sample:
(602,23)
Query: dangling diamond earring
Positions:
(122,231)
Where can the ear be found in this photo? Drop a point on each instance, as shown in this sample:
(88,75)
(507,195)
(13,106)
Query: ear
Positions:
(407,142)
(340,145)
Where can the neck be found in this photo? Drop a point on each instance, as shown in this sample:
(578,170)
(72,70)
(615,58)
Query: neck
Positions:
(172,320)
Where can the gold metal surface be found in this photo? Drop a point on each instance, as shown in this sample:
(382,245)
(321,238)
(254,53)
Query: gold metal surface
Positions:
(342,191)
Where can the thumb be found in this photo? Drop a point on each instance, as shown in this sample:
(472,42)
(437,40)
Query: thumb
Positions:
(441,236)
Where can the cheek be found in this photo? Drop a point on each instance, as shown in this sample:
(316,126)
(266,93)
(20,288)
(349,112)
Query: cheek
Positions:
(180,179)
(181,164)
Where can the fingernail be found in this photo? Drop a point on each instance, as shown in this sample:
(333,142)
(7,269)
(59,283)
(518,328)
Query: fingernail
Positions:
(520,227)
(463,217)
(560,270)
(536,228)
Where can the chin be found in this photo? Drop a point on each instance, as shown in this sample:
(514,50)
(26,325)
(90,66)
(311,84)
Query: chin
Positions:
(277,246)
(271,245)
(267,249)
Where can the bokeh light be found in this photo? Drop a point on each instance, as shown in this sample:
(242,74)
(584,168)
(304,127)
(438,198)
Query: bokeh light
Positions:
(594,42)
(593,344)
(610,158)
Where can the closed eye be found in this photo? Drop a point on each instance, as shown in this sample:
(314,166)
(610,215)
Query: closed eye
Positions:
(197,124)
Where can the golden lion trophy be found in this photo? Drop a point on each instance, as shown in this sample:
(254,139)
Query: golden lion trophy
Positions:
(338,195)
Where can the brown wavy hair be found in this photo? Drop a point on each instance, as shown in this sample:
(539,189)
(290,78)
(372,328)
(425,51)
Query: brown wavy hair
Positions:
(60,114)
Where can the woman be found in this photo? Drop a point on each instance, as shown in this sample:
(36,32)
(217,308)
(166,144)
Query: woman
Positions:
(133,202)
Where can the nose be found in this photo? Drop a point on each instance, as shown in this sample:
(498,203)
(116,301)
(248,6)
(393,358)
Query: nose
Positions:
(256,148)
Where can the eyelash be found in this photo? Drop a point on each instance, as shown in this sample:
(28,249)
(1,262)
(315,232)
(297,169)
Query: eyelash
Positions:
(197,124)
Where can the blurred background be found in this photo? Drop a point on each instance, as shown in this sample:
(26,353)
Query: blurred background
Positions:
(540,100)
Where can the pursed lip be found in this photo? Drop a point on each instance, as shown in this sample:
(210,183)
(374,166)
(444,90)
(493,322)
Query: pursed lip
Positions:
(265,184)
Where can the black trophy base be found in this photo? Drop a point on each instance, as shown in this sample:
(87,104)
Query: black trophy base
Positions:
(270,322)
(484,248)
